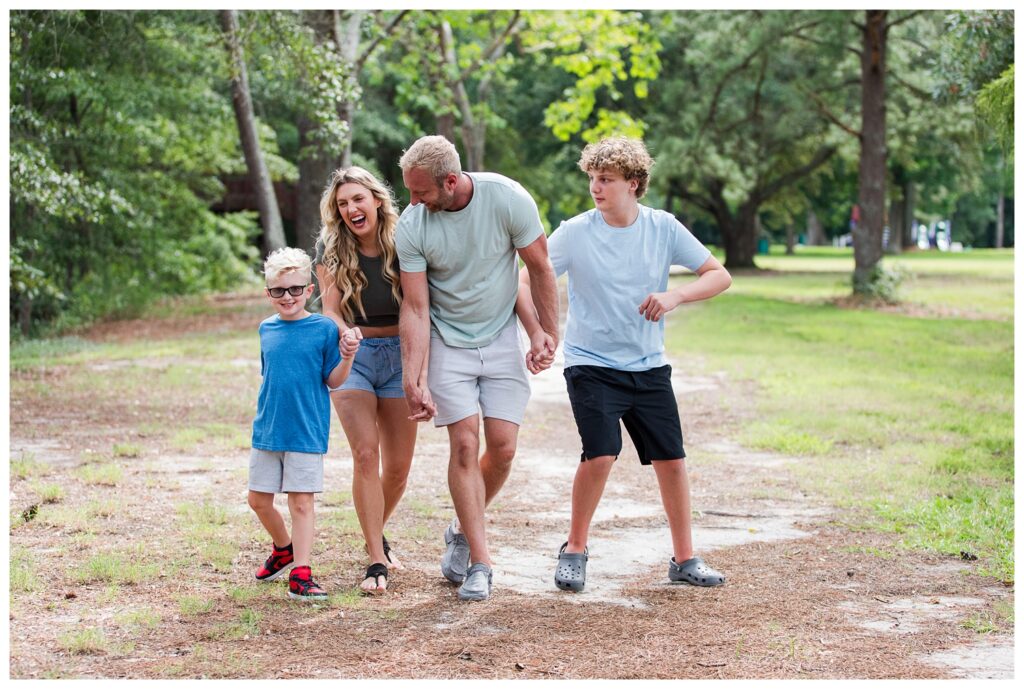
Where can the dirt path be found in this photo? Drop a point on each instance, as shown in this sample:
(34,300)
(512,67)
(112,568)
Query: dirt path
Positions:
(806,597)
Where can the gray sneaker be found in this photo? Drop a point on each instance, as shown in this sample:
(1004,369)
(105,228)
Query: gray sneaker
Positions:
(455,560)
(478,583)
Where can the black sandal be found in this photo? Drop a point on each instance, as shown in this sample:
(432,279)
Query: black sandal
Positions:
(387,552)
(377,569)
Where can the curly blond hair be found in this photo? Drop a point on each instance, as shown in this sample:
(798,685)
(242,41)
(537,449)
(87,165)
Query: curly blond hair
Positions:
(628,157)
(434,154)
(340,256)
(287,260)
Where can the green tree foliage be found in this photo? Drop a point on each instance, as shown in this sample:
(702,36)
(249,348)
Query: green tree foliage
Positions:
(736,125)
(119,130)
(604,50)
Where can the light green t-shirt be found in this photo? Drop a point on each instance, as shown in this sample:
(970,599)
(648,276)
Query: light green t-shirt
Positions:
(469,256)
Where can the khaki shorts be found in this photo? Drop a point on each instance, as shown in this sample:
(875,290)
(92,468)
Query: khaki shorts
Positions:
(490,379)
(285,472)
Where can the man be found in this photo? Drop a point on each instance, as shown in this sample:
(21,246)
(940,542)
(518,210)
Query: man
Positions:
(618,257)
(457,243)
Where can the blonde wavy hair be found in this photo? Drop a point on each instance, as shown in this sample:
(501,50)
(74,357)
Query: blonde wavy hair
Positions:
(629,157)
(340,257)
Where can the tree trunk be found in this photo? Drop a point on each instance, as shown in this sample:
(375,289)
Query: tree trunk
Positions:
(259,176)
(1001,205)
(909,203)
(815,232)
(790,239)
(867,236)
(739,237)
(313,173)
(896,218)
(346,37)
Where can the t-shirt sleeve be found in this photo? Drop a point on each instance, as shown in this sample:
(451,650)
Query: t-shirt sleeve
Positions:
(558,249)
(524,218)
(410,256)
(332,356)
(687,251)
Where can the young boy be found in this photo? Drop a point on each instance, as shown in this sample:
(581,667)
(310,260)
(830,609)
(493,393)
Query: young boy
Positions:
(300,359)
(618,257)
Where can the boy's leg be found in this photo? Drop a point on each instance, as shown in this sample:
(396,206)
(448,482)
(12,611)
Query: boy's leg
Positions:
(301,507)
(587,488)
(263,505)
(466,483)
(675,496)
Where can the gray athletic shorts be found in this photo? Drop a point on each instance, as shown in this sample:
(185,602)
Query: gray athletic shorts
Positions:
(490,379)
(285,472)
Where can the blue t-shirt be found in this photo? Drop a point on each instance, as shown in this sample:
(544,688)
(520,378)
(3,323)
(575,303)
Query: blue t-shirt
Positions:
(611,271)
(293,412)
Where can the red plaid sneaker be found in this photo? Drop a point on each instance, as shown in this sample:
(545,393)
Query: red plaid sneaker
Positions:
(277,564)
(302,587)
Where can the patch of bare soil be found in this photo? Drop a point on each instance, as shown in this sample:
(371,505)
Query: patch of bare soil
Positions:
(806,597)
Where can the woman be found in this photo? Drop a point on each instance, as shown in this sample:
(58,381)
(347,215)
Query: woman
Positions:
(357,268)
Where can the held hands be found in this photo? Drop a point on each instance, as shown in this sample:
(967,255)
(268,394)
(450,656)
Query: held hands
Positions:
(657,304)
(542,352)
(421,406)
(349,342)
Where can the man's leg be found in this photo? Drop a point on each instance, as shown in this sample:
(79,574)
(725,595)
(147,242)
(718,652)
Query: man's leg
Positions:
(466,483)
(675,496)
(587,488)
(500,437)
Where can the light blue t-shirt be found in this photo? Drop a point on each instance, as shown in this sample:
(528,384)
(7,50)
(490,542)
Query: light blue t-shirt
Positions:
(611,271)
(469,256)
(293,411)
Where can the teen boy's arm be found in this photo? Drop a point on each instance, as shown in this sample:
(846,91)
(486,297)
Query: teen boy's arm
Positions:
(712,279)
(414,334)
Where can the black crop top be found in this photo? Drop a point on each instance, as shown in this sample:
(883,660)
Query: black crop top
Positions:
(378,301)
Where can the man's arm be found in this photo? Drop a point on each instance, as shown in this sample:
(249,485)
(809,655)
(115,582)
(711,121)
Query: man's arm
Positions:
(542,345)
(541,284)
(414,334)
(712,279)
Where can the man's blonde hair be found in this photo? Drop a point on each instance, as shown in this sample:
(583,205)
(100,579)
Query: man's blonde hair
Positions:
(628,157)
(435,155)
(287,260)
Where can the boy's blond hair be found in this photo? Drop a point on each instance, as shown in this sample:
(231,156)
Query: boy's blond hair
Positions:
(287,260)
(434,154)
(628,157)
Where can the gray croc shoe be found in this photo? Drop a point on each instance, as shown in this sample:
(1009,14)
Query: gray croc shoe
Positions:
(477,585)
(695,572)
(571,572)
(455,560)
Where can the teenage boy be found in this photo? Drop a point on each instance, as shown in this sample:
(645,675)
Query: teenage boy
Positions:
(300,360)
(618,257)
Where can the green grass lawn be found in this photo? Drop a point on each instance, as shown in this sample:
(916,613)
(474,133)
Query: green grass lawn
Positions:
(909,418)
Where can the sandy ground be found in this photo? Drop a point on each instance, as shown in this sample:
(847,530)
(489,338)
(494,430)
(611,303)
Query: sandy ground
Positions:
(807,596)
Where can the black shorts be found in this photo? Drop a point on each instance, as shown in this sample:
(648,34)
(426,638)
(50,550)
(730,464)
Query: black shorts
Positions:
(643,400)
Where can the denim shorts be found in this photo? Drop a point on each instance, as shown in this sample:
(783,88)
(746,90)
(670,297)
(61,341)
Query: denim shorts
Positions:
(377,368)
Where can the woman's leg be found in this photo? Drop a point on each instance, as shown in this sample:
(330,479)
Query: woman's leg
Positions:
(357,410)
(397,442)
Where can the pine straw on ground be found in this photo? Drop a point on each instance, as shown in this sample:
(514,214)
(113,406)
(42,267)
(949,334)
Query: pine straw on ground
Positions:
(790,609)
